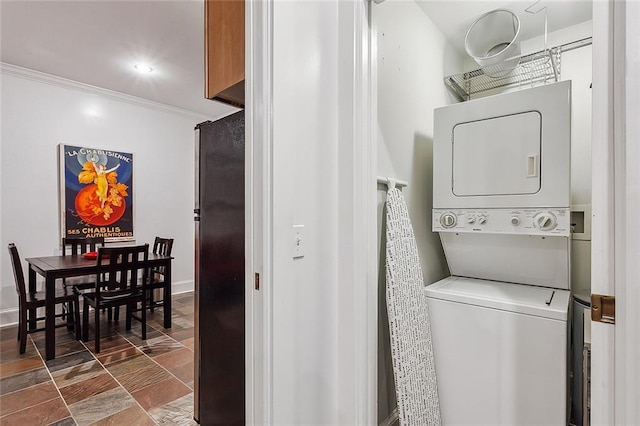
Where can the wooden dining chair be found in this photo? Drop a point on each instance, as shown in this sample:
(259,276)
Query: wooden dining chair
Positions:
(33,300)
(119,275)
(78,246)
(157,274)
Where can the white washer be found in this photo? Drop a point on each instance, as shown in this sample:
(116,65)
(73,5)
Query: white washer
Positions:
(500,352)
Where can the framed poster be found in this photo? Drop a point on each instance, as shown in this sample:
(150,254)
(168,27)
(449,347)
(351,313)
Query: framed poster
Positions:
(96,193)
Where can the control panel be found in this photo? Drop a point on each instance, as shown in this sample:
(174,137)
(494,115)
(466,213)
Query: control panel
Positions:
(504,221)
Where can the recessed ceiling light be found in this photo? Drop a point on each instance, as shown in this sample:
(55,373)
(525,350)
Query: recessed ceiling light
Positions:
(92,112)
(143,68)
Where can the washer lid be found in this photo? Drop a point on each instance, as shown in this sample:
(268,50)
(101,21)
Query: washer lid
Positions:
(525,299)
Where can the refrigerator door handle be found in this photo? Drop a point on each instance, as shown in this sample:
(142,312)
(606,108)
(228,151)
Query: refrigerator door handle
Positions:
(197,171)
(196,318)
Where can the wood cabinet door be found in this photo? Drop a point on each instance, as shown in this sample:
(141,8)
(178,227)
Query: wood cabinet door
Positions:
(224,51)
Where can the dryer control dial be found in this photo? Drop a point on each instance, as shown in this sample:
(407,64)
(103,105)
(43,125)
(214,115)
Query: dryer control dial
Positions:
(448,220)
(482,220)
(545,221)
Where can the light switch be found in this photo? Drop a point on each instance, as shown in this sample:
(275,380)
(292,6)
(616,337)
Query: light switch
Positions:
(298,241)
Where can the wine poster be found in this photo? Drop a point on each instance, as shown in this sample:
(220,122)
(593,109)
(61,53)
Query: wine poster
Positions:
(96,193)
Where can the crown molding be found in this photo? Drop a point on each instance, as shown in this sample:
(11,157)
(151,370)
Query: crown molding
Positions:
(54,80)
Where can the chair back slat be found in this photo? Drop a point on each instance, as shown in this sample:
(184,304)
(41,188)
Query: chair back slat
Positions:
(18,274)
(71,246)
(120,270)
(163,246)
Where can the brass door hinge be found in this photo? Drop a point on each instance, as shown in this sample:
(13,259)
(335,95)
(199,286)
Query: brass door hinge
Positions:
(603,308)
(257,281)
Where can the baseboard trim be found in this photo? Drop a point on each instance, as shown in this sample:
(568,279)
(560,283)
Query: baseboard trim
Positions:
(9,316)
(182,287)
(392,420)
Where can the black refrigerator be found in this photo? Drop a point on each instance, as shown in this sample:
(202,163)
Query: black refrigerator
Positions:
(219,381)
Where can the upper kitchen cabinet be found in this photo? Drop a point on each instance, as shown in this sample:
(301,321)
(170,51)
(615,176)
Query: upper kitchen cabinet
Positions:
(224,51)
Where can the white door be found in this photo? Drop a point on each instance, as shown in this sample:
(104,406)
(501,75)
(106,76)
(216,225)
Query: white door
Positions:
(615,375)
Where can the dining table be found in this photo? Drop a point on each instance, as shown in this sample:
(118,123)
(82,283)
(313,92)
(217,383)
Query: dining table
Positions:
(53,268)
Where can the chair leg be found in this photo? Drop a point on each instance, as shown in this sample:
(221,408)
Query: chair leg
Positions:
(128,314)
(96,326)
(150,293)
(22,327)
(76,319)
(85,320)
(70,315)
(143,319)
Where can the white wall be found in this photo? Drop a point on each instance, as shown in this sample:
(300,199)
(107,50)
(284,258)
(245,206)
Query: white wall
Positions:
(38,113)
(305,181)
(319,351)
(413,58)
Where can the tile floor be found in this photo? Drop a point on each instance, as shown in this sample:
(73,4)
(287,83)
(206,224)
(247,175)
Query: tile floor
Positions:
(130,382)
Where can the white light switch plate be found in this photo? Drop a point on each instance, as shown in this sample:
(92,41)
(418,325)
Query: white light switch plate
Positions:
(298,241)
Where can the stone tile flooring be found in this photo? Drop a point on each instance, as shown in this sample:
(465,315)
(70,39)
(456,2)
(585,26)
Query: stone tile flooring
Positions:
(130,382)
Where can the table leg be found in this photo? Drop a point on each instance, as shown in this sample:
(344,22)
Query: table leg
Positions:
(32,288)
(50,319)
(167,295)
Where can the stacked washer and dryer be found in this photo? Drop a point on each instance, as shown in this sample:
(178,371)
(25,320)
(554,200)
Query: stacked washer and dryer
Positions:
(501,201)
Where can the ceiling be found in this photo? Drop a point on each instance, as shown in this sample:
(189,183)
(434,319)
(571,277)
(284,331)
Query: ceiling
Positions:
(454,17)
(98,42)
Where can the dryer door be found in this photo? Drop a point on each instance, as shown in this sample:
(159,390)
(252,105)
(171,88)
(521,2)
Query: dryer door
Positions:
(497,156)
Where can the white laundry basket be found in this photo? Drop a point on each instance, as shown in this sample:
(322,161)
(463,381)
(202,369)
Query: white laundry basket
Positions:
(492,41)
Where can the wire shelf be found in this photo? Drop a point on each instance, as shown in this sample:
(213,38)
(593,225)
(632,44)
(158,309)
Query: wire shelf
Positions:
(535,69)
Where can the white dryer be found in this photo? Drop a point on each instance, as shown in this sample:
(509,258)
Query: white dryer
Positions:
(501,206)
(502,186)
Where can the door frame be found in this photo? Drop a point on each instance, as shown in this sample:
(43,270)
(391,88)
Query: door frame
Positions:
(258,213)
(615,350)
(602,207)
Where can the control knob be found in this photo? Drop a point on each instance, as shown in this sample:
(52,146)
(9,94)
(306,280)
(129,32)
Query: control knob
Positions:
(448,220)
(482,220)
(515,220)
(545,221)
